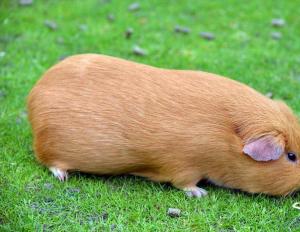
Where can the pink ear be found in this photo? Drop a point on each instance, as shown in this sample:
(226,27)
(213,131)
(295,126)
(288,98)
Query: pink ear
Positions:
(264,149)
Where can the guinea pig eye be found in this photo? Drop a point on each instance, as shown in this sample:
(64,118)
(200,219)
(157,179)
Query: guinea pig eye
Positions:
(291,156)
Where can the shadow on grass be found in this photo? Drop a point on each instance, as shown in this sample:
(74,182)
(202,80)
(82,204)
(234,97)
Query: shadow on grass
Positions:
(118,179)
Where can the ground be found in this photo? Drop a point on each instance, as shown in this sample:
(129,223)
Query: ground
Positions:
(246,47)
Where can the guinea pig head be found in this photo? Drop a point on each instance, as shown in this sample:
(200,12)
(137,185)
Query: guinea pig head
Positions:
(275,155)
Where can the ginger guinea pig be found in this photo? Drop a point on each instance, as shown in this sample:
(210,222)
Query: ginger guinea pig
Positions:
(108,116)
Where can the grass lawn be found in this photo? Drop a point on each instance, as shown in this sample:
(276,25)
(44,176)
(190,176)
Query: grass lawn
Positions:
(31,199)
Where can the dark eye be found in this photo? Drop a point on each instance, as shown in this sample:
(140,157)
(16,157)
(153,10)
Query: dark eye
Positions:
(292,157)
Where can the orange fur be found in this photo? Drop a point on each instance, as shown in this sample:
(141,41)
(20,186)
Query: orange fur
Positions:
(105,115)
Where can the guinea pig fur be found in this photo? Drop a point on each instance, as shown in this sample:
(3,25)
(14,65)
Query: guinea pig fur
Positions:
(108,116)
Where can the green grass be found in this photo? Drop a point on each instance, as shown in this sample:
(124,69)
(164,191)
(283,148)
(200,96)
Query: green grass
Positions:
(32,200)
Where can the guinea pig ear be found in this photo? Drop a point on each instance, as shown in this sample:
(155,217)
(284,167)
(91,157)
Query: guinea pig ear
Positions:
(265,148)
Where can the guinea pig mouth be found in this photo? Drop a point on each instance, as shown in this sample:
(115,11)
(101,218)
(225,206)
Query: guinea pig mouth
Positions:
(292,193)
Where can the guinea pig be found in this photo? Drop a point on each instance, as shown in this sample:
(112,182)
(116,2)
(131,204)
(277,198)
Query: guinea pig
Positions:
(108,116)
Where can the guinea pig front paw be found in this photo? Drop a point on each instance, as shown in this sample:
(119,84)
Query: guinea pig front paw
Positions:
(195,192)
(60,174)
